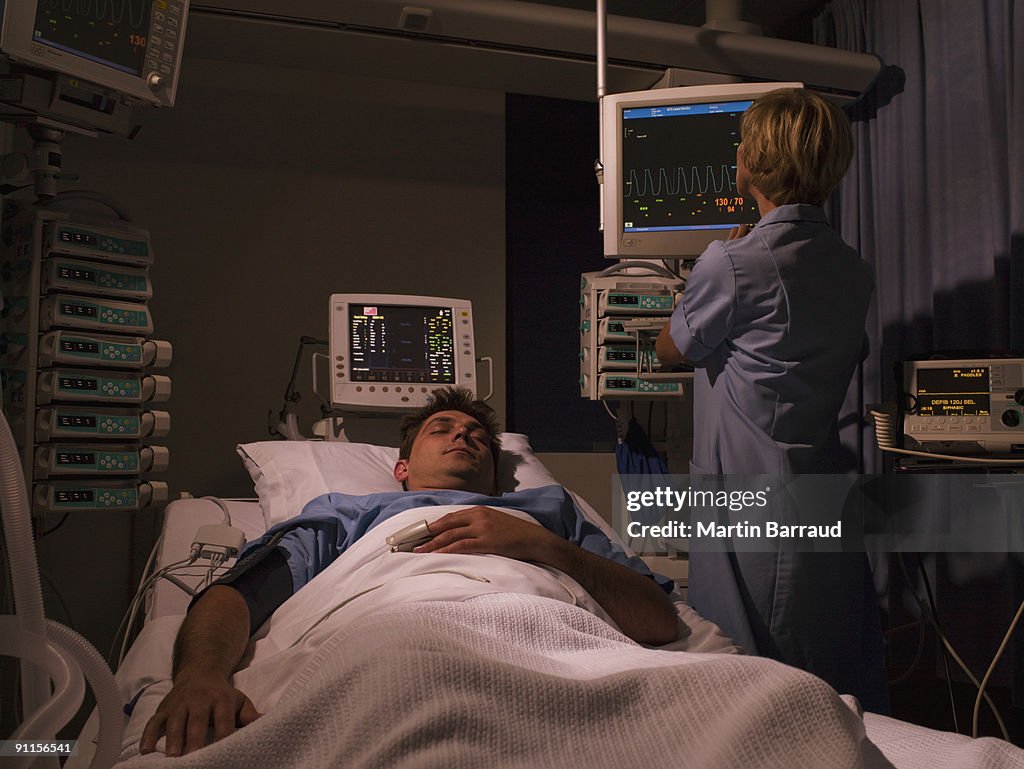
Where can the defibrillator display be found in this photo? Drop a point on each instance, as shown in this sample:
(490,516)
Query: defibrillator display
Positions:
(953,391)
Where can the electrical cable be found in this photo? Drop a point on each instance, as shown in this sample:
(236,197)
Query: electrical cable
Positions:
(925,612)
(291,395)
(945,657)
(992,667)
(920,625)
(178,583)
(148,581)
(223,506)
(610,412)
(674,268)
(96,197)
(56,594)
(216,559)
(150,562)
(53,528)
(148,584)
(618,267)
(884,436)
(130,613)
(885,440)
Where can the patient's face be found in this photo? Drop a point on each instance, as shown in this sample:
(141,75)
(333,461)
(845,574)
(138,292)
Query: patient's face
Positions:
(451,451)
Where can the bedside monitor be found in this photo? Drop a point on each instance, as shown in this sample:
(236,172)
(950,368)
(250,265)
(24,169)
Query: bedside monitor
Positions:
(131,47)
(669,159)
(390,351)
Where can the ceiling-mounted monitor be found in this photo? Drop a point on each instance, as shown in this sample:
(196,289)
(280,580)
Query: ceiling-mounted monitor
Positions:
(130,47)
(669,158)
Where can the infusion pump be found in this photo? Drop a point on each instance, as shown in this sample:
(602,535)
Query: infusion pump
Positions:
(620,316)
(965,406)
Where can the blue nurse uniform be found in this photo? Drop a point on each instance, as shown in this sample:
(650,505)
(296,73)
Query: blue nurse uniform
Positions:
(774,324)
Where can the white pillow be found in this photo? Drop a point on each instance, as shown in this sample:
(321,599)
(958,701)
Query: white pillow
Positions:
(287,474)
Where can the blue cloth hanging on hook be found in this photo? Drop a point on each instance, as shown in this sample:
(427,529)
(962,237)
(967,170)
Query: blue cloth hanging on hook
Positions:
(635,456)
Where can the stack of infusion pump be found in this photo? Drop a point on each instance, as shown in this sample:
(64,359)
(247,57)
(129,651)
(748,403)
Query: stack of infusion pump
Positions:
(78,360)
(620,317)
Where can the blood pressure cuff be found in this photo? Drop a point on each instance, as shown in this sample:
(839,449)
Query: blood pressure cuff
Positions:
(262,577)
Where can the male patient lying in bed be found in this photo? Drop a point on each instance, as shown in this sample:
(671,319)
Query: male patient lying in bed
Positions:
(448,455)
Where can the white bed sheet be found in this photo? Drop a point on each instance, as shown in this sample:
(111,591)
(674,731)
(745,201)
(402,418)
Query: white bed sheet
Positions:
(182,518)
(762,712)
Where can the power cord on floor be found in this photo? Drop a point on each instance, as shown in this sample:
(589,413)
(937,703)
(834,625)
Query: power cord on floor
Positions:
(927,612)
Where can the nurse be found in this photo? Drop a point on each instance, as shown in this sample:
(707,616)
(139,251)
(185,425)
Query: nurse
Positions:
(773,321)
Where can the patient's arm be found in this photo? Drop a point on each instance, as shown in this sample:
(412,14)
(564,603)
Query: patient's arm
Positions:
(209,647)
(639,607)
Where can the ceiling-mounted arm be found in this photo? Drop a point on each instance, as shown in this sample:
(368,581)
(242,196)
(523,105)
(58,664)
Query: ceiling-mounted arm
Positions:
(521,47)
(728,16)
(602,87)
(602,49)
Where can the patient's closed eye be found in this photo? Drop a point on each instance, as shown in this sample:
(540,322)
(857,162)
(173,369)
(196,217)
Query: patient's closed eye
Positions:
(443,428)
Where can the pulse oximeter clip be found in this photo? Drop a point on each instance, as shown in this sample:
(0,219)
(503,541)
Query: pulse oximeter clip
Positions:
(414,535)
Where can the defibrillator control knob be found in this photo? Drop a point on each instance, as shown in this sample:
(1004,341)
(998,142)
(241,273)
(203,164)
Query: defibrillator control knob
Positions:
(1019,396)
(1011,418)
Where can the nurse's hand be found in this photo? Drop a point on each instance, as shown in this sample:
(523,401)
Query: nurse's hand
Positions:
(196,703)
(738,232)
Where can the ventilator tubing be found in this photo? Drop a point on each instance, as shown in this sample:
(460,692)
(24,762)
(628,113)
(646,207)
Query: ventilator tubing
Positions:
(65,655)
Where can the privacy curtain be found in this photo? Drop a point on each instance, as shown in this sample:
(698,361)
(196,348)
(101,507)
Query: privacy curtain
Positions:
(934,199)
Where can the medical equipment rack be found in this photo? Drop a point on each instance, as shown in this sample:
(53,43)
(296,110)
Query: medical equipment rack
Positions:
(79,365)
(620,316)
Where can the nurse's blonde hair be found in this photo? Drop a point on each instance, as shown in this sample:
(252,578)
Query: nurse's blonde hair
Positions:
(796,145)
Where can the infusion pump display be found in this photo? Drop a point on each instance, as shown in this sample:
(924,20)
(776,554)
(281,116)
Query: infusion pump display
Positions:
(970,405)
(391,351)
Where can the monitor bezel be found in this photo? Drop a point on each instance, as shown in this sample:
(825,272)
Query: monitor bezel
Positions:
(665,244)
(394,396)
(19,45)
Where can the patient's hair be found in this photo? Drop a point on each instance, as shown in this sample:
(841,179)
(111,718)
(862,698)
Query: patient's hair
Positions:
(450,399)
(796,145)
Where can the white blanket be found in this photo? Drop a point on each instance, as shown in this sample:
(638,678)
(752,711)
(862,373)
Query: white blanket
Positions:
(499,668)
(513,680)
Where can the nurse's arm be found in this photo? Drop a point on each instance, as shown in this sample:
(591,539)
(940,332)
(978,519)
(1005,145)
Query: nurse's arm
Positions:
(666,348)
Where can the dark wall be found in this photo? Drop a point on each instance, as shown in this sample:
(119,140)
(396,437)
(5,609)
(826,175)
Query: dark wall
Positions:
(551,222)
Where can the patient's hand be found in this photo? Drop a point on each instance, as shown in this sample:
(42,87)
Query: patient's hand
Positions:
(486,530)
(635,603)
(186,713)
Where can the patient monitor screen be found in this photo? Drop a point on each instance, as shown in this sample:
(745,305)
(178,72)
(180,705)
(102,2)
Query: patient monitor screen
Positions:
(113,34)
(397,343)
(957,391)
(679,167)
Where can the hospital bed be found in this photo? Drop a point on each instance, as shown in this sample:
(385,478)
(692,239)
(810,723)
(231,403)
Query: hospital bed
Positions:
(477,661)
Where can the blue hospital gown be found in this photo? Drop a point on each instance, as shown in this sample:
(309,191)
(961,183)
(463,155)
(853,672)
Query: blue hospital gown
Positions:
(330,523)
(293,552)
(774,325)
